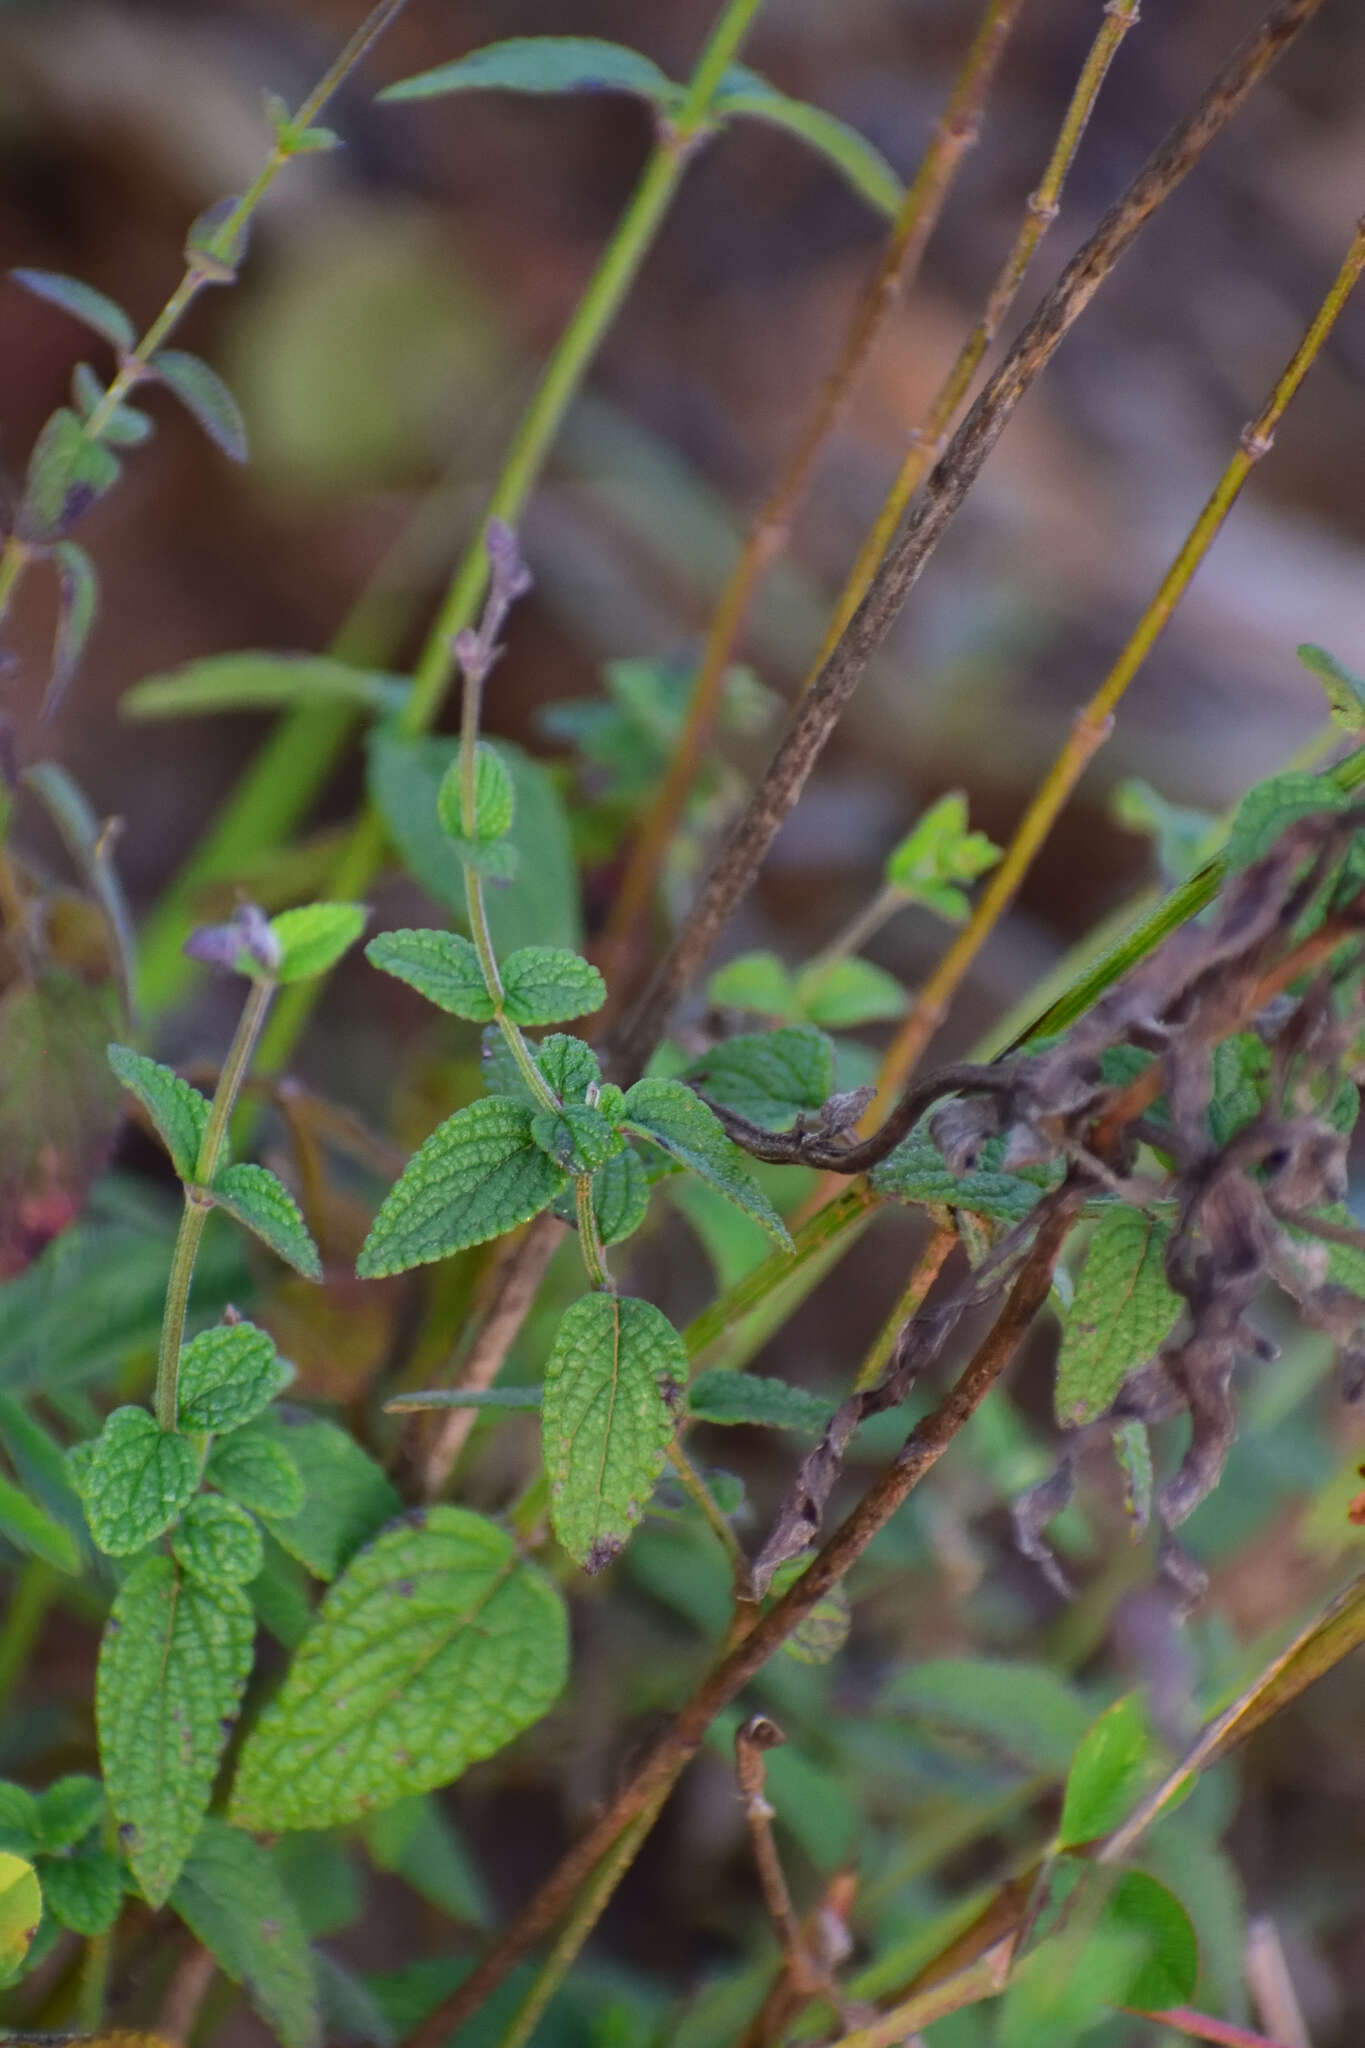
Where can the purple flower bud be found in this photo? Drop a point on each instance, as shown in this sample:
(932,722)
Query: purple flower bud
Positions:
(257,938)
(468,649)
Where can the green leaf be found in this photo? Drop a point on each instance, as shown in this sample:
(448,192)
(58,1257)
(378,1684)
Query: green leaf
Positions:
(754,981)
(21,1908)
(173,1665)
(541,907)
(543,64)
(204,394)
(1167,1976)
(477,1175)
(217,240)
(916,1172)
(1343,688)
(1107,1774)
(67,472)
(495,803)
(1122,1312)
(346,1497)
(67,1812)
(264,1204)
(82,302)
(770,1077)
(744,92)
(126,427)
(84,1893)
(18,1819)
(416,1841)
(576,1137)
(746,1397)
(822,1635)
(252,1467)
(569,1064)
(848,993)
(620,1198)
(549,985)
(435,1647)
(1266,811)
(672,1117)
(218,1541)
(1025,1711)
(1184,838)
(936,854)
(612,1385)
(261,681)
(179,1112)
(313,937)
(228,1375)
(442,966)
(75,615)
(1133,1454)
(139,1478)
(31,1528)
(231,1897)
(1241,1075)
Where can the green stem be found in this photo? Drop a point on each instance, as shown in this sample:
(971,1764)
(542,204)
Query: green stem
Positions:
(560,383)
(815,1240)
(94,1982)
(587,1911)
(197,1206)
(13,557)
(697,1491)
(589,1242)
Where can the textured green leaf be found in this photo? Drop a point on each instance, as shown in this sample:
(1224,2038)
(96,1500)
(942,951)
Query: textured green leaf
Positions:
(180,1113)
(747,1397)
(620,1198)
(28,1525)
(203,393)
(67,1812)
(138,1480)
(347,1498)
(576,1137)
(21,1908)
(228,1375)
(672,1117)
(848,993)
(1025,1711)
(313,936)
(231,1897)
(1266,811)
(259,680)
(541,906)
(218,1541)
(612,1389)
(549,985)
(435,1647)
(442,966)
(754,981)
(85,1893)
(173,1666)
(18,1819)
(1168,1974)
(1107,1773)
(770,1077)
(495,803)
(1343,688)
(916,1172)
(477,1175)
(1122,1313)
(543,64)
(92,308)
(261,1201)
(253,1467)
(75,615)
(1241,1075)
(66,473)
(864,168)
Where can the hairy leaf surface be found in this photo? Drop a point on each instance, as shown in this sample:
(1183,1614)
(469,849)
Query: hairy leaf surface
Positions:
(261,1201)
(179,1112)
(672,1117)
(477,1175)
(231,1896)
(1122,1313)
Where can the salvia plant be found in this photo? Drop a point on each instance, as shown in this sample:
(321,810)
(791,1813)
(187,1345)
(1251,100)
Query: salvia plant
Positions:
(314,1618)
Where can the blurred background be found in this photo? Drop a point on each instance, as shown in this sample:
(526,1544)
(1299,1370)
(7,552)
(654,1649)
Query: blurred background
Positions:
(397,299)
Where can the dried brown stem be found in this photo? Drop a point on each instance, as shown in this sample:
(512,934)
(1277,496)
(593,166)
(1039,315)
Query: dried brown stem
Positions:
(955,133)
(670,1754)
(758,1735)
(814,719)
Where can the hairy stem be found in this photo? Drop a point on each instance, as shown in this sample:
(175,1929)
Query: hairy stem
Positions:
(559,385)
(1094,724)
(670,1754)
(814,719)
(769,533)
(197,1205)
